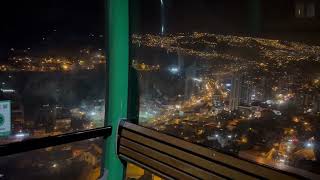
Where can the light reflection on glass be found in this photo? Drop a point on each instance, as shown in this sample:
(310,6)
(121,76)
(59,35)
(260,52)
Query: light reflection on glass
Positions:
(223,84)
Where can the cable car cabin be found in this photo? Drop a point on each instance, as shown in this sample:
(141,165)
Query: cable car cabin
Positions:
(160,89)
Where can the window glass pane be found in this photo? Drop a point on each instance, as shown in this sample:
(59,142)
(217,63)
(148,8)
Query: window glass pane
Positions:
(52,67)
(241,77)
(310,10)
(80,160)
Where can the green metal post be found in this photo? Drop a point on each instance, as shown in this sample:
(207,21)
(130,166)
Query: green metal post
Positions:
(118,59)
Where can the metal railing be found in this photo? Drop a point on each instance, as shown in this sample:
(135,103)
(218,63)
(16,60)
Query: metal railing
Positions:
(39,143)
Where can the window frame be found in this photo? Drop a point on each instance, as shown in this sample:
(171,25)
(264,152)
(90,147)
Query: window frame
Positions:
(45,142)
(120,96)
(133,106)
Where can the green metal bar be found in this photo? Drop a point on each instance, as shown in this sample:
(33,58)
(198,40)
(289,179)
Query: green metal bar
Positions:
(118,59)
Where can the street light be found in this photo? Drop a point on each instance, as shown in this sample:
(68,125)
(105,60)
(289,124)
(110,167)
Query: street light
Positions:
(174,70)
(309,145)
(197,79)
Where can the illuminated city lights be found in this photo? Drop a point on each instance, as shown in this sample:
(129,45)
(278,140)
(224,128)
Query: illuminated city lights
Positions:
(217,101)
(309,145)
(174,70)
(197,79)
(20,135)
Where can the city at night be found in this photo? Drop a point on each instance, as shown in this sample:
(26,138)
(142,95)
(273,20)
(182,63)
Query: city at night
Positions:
(160,89)
(238,77)
(52,66)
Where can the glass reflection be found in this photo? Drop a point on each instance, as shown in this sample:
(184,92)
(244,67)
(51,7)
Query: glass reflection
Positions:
(241,77)
(79,160)
(52,67)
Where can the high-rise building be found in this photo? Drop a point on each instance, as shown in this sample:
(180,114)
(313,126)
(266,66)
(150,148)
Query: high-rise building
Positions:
(245,92)
(17,117)
(190,86)
(235,92)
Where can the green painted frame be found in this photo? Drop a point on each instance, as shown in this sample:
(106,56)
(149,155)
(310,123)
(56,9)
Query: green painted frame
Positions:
(118,70)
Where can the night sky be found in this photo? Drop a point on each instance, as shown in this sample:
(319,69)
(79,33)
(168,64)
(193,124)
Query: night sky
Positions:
(191,15)
(66,24)
(271,19)
(24,24)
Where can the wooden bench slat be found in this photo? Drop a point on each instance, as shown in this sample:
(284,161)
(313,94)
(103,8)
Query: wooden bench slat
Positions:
(210,154)
(210,166)
(182,166)
(155,164)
